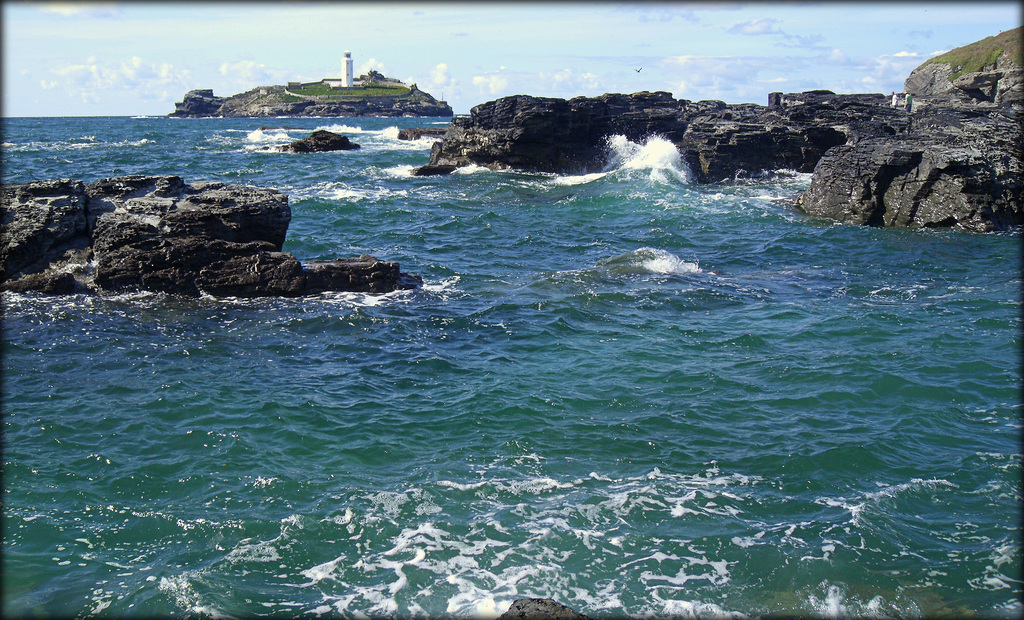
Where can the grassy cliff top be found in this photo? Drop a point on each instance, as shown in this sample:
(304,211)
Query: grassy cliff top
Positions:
(370,90)
(981,54)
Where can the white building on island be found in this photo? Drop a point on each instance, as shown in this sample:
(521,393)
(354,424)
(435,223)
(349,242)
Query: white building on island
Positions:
(346,80)
(346,69)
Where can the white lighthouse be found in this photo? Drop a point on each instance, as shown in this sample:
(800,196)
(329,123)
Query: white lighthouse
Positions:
(346,69)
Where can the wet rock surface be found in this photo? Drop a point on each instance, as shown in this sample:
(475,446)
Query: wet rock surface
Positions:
(158,233)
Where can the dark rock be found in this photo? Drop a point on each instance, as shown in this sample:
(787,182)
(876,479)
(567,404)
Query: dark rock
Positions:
(540,609)
(716,140)
(157,233)
(49,282)
(364,274)
(231,212)
(194,265)
(956,168)
(415,133)
(41,221)
(942,165)
(545,134)
(428,170)
(320,141)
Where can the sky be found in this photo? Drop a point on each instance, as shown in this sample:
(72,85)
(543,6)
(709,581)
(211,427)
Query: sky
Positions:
(139,58)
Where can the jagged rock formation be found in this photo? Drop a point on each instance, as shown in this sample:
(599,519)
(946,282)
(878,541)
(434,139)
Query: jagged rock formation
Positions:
(157,233)
(986,71)
(274,101)
(718,141)
(941,165)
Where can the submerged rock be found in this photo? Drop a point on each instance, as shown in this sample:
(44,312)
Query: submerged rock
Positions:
(157,233)
(429,170)
(540,609)
(415,133)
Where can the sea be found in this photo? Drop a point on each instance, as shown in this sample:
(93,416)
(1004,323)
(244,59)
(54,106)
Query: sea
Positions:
(631,393)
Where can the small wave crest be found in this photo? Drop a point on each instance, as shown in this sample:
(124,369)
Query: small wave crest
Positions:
(260,137)
(343,129)
(650,260)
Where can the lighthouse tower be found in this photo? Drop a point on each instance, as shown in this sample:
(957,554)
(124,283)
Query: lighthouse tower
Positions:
(346,69)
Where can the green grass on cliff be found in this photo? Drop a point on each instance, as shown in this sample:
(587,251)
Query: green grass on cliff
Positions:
(376,90)
(981,54)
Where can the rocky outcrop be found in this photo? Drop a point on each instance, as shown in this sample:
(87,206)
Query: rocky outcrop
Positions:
(540,609)
(941,165)
(278,101)
(320,141)
(198,103)
(718,141)
(955,168)
(546,134)
(157,233)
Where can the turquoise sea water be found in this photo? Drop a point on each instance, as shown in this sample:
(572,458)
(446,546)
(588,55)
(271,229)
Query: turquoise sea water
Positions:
(633,394)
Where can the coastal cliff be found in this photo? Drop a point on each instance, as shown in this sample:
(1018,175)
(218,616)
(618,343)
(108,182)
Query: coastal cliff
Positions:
(987,71)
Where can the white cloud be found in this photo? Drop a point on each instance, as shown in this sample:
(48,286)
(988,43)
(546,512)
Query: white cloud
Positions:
(566,83)
(491,84)
(761,25)
(838,56)
(373,64)
(89,79)
(79,9)
(245,70)
(729,78)
(890,68)
(439,75)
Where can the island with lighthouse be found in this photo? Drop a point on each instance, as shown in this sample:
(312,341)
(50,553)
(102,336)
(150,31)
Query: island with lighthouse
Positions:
(371,94)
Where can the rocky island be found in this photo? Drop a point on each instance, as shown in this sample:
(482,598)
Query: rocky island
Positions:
(371,94)
(950,159)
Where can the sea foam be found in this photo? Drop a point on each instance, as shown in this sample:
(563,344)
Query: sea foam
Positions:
(657,157)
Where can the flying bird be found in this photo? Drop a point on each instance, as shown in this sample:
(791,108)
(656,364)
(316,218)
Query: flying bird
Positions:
(638,70)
